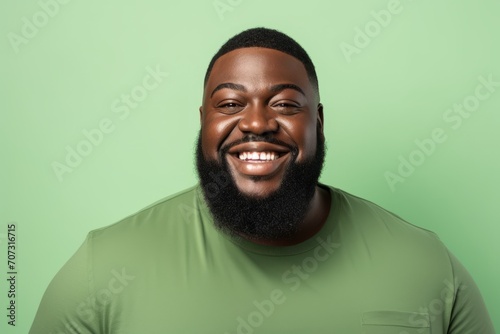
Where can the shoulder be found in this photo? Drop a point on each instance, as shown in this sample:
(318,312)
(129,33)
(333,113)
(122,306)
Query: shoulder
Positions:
(385,239)
(156,226)
(373,217)
(164,211)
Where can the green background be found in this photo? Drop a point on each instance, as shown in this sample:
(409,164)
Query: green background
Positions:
(394,91)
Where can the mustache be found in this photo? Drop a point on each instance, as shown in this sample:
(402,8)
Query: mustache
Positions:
(258,138)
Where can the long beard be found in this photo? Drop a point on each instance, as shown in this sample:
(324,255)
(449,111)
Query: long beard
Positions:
(274,217)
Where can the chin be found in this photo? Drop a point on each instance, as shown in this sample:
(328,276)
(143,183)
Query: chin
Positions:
(258,189)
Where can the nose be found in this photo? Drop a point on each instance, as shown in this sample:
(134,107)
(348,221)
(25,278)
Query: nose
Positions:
(258,120)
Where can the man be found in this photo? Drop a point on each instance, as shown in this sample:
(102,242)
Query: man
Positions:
(260,246)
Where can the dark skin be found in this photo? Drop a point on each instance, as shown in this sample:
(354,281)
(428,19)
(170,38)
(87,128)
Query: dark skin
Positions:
(264,92)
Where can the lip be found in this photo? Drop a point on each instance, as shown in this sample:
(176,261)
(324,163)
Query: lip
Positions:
(251,168)
(257,146)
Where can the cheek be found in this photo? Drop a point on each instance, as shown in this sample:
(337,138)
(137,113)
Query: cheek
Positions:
(214,130)
(303,133)
(307,149)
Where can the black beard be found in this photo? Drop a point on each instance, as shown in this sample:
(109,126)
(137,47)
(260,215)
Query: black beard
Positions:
(274,217)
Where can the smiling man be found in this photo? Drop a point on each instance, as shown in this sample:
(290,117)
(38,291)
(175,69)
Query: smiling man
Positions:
(262,123)
(260,246)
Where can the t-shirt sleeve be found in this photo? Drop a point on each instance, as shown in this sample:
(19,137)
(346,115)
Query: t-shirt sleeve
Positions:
(469,313)
(66,302)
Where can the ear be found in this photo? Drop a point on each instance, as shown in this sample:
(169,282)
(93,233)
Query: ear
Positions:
(321,119)
(201,112)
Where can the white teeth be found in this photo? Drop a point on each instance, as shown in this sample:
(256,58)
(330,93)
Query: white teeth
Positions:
(258,156)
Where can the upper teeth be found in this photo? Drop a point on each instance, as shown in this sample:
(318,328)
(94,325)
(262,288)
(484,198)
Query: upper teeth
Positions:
(260,156)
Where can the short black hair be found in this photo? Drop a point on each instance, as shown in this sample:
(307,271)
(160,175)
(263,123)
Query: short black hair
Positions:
(271,39)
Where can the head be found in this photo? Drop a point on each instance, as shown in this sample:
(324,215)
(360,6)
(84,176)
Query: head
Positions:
(271,39)
(261,133)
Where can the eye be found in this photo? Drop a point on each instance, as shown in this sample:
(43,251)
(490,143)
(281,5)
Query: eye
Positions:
(229,107)
(286,107)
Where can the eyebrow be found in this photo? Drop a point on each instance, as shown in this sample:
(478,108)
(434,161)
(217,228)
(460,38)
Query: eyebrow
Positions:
(229,85)
(275,89)
(278,88)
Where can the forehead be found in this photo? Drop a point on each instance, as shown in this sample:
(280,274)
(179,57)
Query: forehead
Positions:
(259,68)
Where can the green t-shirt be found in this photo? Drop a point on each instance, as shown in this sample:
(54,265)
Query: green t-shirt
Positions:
(167,269)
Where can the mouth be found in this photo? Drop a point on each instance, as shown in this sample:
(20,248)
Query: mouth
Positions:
(258,158)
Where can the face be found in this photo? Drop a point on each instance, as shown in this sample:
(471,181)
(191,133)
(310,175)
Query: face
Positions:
(260,114)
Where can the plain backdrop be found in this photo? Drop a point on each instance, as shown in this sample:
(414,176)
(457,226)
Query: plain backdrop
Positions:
(391,74)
